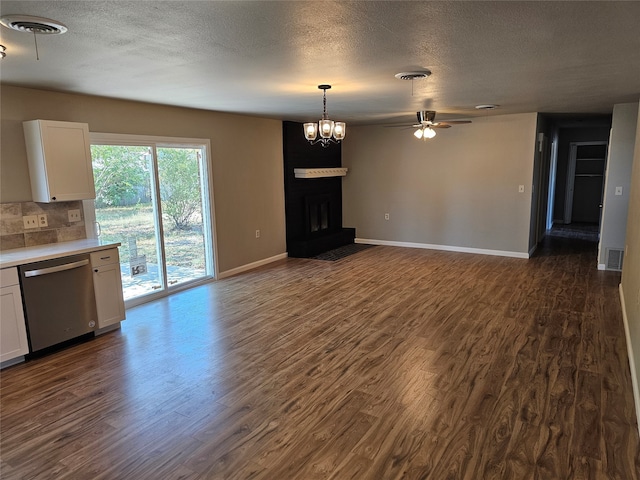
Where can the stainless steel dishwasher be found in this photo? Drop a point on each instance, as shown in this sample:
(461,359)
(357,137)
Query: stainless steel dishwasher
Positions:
(59,300)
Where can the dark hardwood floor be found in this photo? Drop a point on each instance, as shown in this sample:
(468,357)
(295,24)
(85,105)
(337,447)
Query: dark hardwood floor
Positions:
(391,363)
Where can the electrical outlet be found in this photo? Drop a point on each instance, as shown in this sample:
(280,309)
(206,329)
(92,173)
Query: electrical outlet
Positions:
(520,188)
(30,221)
(42,220)
(74,215)
(618,191)
(257,233)
(386,216)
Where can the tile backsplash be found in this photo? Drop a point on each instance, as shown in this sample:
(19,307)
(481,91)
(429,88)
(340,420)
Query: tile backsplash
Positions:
(59,228)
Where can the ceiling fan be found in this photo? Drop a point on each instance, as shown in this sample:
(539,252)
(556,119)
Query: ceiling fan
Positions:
(426,124)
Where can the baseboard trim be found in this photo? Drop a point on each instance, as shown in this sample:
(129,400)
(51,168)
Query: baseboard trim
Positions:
(13,361)
(630,354)
(447,248)
(251,266)
(532,251)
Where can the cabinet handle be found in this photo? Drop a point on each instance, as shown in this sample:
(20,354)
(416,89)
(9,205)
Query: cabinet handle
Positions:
(55,269)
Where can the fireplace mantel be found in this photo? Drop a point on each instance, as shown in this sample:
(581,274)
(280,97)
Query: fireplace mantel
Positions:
(319,172)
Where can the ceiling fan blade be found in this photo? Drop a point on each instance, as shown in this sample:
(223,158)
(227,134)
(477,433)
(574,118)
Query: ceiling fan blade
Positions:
(440,125)
(457,122)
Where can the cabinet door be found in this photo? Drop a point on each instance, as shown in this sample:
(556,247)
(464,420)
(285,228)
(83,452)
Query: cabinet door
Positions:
(59,160)
(13,331)
(109,299)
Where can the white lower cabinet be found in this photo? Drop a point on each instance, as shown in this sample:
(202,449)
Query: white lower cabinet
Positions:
(13,330)
(107,283)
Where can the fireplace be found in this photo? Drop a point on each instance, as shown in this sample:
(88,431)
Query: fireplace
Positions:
(317,214)
(313,195)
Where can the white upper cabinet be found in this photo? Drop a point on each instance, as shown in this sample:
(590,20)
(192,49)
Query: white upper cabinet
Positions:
(59,160)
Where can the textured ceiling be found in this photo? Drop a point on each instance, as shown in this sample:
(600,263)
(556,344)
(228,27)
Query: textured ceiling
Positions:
(266,58)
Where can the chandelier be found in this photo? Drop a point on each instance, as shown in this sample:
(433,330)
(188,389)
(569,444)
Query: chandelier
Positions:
(330,131)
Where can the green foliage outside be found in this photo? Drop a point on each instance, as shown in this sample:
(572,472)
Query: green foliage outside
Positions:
(123,177)
(179,172)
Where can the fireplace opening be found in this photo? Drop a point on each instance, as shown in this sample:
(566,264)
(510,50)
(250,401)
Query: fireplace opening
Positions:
(318,216)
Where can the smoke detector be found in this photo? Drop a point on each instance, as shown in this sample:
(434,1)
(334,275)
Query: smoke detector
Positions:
(31,24)
(413,75)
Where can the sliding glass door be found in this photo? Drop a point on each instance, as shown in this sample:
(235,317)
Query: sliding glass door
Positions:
(153,198)
(181,193)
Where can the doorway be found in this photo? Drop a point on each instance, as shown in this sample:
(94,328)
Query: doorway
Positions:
(153,196)
(585,183)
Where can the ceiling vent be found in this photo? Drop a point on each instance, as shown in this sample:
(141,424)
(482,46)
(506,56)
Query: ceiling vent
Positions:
(413,75)
(31,24)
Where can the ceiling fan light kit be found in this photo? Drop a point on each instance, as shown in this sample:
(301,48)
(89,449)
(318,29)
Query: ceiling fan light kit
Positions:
(424,133)
(330,131)
(426,124)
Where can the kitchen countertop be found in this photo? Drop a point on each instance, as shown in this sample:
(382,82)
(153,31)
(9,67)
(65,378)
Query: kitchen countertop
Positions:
(20,256)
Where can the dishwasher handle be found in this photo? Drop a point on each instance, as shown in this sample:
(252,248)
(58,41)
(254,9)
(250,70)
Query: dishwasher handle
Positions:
(57,268)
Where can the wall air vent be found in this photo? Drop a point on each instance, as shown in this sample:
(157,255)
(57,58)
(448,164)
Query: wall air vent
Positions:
(614,258)
(31,24)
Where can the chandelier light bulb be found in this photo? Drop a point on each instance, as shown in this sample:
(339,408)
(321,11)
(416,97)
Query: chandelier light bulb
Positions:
(310,131)
(326,128)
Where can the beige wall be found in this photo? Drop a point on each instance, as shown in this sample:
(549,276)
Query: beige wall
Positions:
(246,160)
(630,285)
(459,189)
(613,226)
